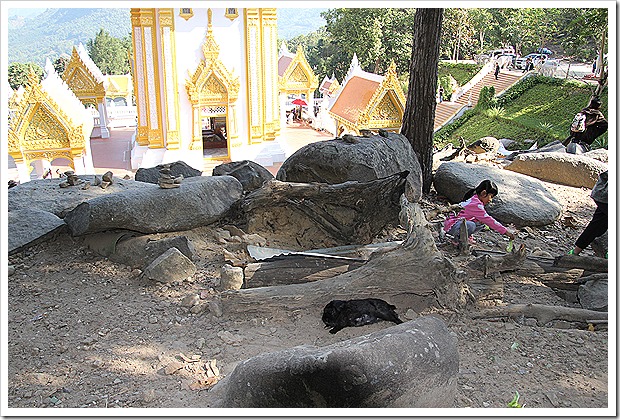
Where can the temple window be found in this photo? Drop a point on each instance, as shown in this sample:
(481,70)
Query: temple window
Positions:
(232,13)
(186,13)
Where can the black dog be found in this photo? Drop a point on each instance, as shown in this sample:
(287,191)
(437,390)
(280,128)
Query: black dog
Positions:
(339,314)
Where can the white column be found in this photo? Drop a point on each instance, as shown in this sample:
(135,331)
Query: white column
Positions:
(78,164)
(23,170)
(103,120)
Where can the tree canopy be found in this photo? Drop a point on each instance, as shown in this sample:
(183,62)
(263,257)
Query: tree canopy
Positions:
(18,73)
(110,54)
(379,35)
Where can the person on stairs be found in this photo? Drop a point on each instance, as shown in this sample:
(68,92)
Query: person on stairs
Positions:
(496,70)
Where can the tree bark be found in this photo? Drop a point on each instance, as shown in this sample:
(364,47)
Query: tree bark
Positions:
(542,313)
(419,116)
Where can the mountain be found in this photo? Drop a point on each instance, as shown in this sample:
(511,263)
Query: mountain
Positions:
(294,22)
(56,31)
(35,34)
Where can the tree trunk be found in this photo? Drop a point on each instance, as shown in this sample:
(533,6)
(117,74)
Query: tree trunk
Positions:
(419,115)
(602,80)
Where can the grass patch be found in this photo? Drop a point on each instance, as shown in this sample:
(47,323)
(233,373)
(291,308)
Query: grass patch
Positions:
(538,108)
(462,72)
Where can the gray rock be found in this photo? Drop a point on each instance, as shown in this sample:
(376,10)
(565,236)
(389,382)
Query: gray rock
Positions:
(414,364)
(598,154)
(560,168)
(46,194)
(139,252)
(169,267)
(600,245)
(198,202)
(355,159)
(231,278)
(250,174)
(151,175)
(522,200)
(28,227)
(593,295)
(485,145)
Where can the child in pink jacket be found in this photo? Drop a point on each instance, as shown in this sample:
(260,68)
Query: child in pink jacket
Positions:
(474,213)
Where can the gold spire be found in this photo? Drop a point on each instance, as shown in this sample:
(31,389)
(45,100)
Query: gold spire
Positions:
(210,49)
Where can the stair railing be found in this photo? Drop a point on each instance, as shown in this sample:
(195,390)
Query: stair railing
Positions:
(486,69)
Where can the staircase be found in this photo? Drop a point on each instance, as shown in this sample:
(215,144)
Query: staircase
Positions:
(445,111)
(210,163)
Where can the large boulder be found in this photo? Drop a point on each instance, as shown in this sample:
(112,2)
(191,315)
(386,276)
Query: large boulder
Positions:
(198,201)
(250,174)
(151,175)
(28,227)
(522,200)
(354,158)
(46,194)
(414,364)
(593,295)
(560,168)
(598,154)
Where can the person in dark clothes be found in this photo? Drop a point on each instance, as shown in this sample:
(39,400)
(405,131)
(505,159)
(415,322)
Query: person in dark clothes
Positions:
(496,70)
(599,222)
(595,125)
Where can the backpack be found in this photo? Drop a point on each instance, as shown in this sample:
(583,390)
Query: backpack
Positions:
(579,123)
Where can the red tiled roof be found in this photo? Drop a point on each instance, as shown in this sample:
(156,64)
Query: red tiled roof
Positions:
(354,98)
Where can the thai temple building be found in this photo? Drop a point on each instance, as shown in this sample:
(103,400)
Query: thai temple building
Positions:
(368,101)
(206,85)
(47,121)
(89,84)
(296,80)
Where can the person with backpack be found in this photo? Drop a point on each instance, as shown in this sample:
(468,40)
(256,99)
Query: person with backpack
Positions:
(587,125)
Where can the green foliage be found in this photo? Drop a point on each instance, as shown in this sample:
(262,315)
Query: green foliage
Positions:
(60,64)
(109,54)
(447,82)
(486,99)
(18,73)
(515,401)
(377,36)
(462,72)
(495,112)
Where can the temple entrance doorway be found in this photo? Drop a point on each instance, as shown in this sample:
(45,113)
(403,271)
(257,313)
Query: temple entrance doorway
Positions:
(214,131)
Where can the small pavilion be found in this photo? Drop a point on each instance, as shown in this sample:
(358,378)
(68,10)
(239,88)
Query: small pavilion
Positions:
(89,84)
(295,80)
(368,101)
(48,122)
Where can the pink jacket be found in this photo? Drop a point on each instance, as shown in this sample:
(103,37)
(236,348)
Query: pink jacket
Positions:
(473,210)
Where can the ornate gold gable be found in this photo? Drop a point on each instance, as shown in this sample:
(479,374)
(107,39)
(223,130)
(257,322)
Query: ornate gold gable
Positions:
(39,129)
(82,82)
(387,105)
(298,76)
(211,83)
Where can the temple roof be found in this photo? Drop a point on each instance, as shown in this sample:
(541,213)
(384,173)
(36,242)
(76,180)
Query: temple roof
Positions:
(369,99)
(64,97)
(354,98)
(90,64)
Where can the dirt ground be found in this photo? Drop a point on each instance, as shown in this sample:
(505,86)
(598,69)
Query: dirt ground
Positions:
(84,331)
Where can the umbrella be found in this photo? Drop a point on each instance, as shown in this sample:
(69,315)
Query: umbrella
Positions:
(299,101)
